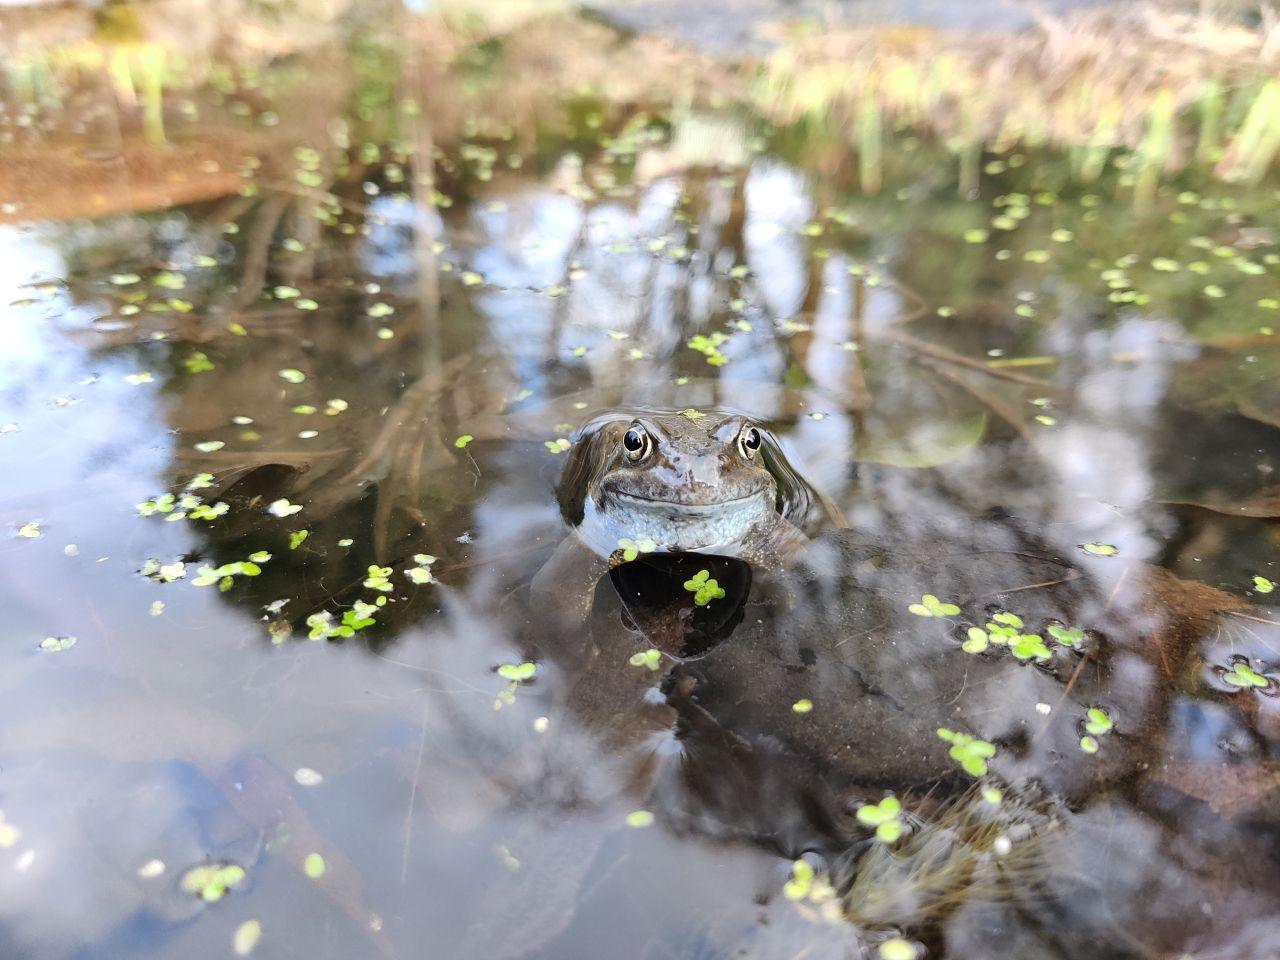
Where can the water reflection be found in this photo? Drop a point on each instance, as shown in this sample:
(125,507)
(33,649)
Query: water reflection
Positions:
(403,367)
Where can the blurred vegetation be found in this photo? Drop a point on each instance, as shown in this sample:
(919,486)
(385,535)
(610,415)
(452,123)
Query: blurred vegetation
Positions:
(1155,88)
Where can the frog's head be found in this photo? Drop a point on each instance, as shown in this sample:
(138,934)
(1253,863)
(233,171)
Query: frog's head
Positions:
(688,480)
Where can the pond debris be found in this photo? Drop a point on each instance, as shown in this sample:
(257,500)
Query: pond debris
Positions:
(151,869)
(931,606)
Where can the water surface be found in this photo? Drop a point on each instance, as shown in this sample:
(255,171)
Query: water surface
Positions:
(1029,400)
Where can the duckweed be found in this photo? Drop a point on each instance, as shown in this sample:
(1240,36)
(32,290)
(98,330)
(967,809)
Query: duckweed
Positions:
(211,882)
(1100,549)
(651,659)
(631,549)
(1071,637)
(885,817)
(931,606)
(971,753)
(1097,722)
(801,882)
(517,672)
(1242,675)
(704,588)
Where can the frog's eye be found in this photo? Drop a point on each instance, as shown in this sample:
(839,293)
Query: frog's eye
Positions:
(749,441)
(637,443)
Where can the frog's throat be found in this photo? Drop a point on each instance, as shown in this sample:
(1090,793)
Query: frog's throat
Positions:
(674,527)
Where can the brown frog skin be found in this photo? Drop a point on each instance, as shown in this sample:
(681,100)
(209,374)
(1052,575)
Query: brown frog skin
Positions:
(691,481)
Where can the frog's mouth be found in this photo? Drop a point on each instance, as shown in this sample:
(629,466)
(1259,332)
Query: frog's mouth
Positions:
(676,506)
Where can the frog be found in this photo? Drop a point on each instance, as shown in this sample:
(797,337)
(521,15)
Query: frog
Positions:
(668,482)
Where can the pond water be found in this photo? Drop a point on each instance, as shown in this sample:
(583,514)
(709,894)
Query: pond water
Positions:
(278,464)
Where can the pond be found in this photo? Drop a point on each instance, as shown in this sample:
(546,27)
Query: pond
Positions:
(300,660)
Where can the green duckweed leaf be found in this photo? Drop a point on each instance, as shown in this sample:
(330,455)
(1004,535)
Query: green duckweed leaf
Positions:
(651,658)
(517,672)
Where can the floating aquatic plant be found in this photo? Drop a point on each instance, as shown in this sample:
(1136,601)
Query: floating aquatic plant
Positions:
(801,882)
(704,588)
(224,576)
(976,640)
(1097,722)
(931,606)
(1028,646)
(379,578)
(1071,637)
(1099,549)
(1242,675)
(313,866)
(650,658)
(517,672)
(631,549)
(709,347)
(421,573)
(212,881)
(971,753)
(885,816)
(153,569)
